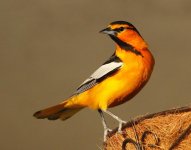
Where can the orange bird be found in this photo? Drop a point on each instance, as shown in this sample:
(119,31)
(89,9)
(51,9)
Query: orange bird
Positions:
(119,79)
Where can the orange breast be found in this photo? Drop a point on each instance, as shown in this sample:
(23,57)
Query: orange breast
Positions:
(120,87)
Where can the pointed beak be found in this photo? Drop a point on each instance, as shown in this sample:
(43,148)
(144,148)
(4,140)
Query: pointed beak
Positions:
(108,31)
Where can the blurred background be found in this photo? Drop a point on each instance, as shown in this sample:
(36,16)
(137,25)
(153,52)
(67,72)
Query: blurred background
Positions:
(47,48)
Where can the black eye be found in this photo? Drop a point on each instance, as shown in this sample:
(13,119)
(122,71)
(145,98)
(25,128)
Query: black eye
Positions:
(121,29)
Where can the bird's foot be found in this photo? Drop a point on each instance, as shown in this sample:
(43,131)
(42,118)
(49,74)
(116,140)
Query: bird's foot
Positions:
(106,131)
(121,122)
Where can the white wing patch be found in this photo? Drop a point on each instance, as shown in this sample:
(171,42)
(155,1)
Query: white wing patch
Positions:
(103,70)
(101,73)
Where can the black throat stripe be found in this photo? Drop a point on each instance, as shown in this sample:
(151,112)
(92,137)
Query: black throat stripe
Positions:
(125,46)
(113,58)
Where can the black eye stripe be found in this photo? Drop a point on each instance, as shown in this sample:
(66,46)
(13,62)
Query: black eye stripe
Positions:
(119,29)
(122,28)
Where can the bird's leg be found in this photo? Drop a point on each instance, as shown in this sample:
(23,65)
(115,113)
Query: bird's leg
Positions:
(121,122)
(106,129)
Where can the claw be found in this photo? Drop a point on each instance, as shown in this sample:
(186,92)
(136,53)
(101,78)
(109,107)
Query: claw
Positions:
(121,122)
(106,131)
(109,130)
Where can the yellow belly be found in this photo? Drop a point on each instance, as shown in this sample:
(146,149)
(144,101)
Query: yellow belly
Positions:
(121,86)
(115,89)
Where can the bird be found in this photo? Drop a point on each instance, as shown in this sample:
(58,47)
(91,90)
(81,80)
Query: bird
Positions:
(115,82)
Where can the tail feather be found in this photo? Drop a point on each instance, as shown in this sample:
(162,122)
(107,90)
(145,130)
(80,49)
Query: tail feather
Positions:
(58,111)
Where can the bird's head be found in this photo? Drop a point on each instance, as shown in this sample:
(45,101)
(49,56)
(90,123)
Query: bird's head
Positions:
(125,35)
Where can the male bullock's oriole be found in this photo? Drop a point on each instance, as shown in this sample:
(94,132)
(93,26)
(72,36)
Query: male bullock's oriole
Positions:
(119,79)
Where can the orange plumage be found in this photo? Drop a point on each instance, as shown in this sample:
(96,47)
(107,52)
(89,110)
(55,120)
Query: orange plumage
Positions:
(116,81)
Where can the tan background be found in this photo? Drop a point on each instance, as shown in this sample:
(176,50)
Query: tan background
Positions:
(47,48)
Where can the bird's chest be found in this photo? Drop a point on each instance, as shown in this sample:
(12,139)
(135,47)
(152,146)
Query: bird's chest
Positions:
(132,75)
(130,79)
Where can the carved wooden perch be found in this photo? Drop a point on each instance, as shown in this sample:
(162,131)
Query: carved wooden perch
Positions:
(167,130)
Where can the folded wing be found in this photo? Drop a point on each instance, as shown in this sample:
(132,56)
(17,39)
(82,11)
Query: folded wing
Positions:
(110,67)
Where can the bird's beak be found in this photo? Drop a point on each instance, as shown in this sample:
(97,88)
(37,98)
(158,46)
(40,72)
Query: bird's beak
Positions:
(108,31)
